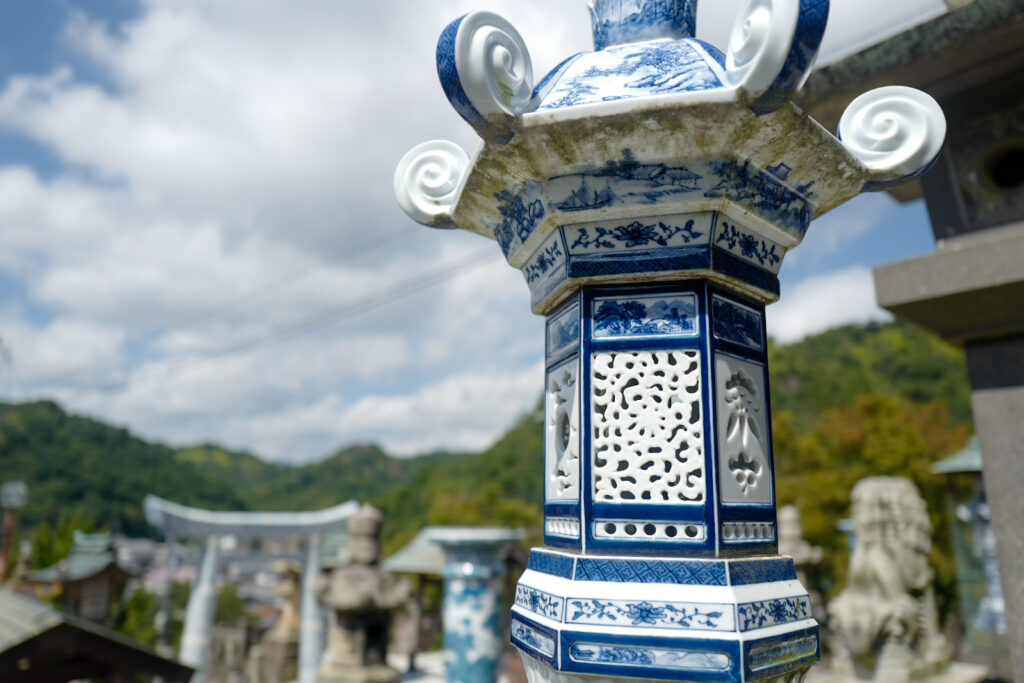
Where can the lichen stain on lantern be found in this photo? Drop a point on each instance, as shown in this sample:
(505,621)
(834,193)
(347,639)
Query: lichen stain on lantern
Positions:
(649,192)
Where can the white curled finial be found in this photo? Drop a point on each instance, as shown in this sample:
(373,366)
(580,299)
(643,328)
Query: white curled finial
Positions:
(895,131)
(427,181)
(494,65)
(760,43)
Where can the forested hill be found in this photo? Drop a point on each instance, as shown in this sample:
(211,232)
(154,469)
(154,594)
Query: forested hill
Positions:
(852,401)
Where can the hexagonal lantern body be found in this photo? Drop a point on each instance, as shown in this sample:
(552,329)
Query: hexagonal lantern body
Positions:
(648,192)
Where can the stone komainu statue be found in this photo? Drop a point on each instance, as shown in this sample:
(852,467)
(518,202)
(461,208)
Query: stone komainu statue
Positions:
(885,620)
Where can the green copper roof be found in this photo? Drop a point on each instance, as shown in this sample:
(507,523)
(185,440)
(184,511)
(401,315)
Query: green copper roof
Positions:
(967,460)
(90,554)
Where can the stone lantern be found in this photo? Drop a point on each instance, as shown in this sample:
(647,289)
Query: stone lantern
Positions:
(649,191)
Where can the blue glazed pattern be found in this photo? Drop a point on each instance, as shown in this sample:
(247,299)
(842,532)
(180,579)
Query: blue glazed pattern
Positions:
(630,71)
(787,208)
(647,614)
(622,181)
(628,182)
(645,316)
(531,637)
(521,213)
(635,234)
(748,246)
(746,572)
(544,260)
(550,563)
(755,615)
(563,331)
(619,21)
(668,658)
(692,572)
(737,324)
(472,629)
(539,602)
(448,73)
(809,31)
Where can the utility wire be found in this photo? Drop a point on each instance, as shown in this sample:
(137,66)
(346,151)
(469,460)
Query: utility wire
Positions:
(311,323)
(287,281)
(241,300)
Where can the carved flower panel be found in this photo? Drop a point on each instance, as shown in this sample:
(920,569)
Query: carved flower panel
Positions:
(743,444)
(562,433)
(648,443)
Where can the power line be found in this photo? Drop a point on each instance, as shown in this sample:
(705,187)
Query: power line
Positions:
(241,300)
(287,281)
(313,322)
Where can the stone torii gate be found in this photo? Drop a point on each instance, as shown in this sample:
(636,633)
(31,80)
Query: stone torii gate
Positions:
(180,522)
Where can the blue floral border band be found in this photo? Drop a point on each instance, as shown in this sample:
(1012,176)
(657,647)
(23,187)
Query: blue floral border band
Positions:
(656,614)
(539,602)
(765,613)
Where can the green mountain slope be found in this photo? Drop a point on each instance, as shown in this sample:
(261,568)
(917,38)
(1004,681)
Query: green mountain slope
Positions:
(850,402)
(82,468)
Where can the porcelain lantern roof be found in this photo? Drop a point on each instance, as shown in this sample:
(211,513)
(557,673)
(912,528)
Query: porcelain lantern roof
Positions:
(653,124)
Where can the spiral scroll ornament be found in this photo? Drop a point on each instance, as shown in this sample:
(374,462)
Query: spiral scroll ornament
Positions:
(427,181)
(897,132)
(486,72)
(760,43)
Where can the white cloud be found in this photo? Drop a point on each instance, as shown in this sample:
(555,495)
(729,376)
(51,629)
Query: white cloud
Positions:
(819,303)
(225,185)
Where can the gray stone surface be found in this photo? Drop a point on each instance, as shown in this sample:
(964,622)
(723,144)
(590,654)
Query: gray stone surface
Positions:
(998,413)
(972,287)
(971,292)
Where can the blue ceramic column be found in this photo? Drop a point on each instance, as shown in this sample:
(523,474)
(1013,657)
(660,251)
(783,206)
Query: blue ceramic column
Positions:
(648,192)
(472,615)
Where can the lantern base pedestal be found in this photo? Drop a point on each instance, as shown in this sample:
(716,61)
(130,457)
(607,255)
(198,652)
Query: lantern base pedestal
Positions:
(679,619)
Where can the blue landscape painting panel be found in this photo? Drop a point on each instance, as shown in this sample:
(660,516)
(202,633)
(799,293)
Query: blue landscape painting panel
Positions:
(630,182)
(563,330)
(735,323)
(643,316)
(630,71)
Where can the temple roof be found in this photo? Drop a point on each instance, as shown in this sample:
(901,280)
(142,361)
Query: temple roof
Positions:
(424,555)
(967,460)
(90,555)
(51,644)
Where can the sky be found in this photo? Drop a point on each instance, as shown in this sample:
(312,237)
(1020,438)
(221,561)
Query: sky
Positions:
(199,242)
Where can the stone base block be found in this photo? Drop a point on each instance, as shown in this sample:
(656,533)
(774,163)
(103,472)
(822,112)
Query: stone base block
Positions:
(715,620)
(377,673)
(958,672)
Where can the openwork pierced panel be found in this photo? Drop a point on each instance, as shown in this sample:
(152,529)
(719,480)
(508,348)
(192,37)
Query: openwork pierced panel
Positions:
(743,441)
(648,440)
(562,433)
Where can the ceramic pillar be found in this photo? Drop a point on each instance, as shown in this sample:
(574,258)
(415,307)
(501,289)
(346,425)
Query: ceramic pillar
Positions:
(472,615)
(199,614)
(311,640)
(648,192)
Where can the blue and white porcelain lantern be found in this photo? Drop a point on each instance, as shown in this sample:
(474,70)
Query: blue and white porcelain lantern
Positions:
(649,191)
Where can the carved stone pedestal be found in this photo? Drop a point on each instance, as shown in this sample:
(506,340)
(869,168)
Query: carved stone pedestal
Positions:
(361,597)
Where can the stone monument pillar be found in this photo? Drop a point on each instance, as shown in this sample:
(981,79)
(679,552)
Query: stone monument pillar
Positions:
(360,596)
(472,617)
(277,656)
(792,543)
(200,613)
(648,192)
